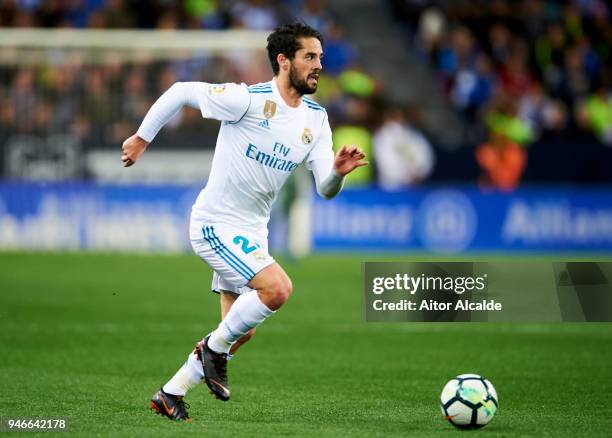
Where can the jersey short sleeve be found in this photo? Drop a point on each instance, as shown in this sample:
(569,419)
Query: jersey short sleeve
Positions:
(226,102)
(322,150)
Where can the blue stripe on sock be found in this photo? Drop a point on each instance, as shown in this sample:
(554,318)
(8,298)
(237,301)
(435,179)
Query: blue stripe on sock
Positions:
(230,254)
(206,231)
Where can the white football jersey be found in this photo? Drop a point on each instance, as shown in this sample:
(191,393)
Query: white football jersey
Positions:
(261,141)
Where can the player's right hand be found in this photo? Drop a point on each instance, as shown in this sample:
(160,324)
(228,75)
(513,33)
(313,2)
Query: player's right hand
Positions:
(132,149)
(348,159)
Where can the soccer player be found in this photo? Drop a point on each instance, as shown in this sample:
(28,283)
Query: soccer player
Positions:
(267,130)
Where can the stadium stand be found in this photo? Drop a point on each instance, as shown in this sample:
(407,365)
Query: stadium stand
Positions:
(537,74)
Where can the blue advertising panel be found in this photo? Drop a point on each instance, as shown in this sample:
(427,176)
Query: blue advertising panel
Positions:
(466,219)
(90,216)
(444,220)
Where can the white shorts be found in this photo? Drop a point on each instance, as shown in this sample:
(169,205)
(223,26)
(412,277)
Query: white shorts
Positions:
(234,255)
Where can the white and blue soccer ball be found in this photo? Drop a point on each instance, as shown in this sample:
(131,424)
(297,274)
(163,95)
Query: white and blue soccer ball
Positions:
(469,401)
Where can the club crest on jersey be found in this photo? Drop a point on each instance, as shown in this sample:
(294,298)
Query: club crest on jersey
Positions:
(269,109)
(217,89)
(306,136)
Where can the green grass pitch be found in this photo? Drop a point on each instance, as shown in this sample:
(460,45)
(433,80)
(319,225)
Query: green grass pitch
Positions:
(92,336)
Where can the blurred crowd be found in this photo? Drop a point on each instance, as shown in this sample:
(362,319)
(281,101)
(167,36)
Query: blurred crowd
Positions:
(517,71)
(99,103)
(161,14)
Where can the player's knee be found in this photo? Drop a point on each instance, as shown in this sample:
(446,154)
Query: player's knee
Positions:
(278,292)
(285,289)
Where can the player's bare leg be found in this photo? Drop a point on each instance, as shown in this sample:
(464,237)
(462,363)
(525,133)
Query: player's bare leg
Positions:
(272,289)
(227,299)
(273,286)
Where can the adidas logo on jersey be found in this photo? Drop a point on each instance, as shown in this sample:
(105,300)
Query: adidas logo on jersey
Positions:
(264,124)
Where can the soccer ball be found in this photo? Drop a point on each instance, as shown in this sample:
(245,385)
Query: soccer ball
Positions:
(469,401)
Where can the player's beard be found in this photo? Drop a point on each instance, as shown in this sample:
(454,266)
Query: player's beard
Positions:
(300,85)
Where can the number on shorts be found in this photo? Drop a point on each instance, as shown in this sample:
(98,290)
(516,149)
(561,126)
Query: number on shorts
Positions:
(245,244)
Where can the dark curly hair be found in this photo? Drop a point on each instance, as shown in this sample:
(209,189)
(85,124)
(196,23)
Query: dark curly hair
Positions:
(285,40)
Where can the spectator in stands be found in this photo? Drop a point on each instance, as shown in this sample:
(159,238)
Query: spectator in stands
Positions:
(42,116)
(502,162)
(504,120)
(99,104)
(458,52)
(503,157)
(24,97)
(169,20)
(50,13)
(256,15)
(356,82)
(355,128)
(135,102)
(515,77)
(8,11)
(62,90)
(19,16)
(431,31)
(208,14)
(595,113)
(315,14)
(575,82)
(114,15)
(8,117)
(572,21)
(402,154)
(75,13)
(499,44)
(549,54)
(541,112)
(339,52)
(472,87)
(534,18)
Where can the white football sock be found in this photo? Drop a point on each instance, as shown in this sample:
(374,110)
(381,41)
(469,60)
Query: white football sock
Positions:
(187,377)
(247,312)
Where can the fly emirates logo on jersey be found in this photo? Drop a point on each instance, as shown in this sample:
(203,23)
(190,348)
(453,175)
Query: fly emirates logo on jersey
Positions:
(276,159)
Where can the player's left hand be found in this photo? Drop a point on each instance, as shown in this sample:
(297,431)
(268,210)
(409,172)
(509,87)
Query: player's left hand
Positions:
(348,159)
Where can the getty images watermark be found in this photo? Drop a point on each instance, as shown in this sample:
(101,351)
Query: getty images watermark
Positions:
(528,291)
(416,285)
